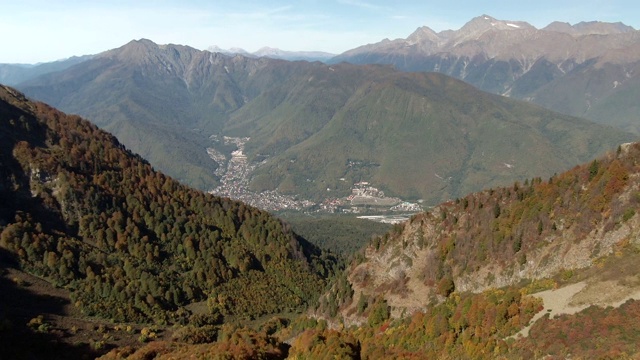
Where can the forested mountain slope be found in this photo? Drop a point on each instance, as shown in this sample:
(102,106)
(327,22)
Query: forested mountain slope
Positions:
(129,242)
(502,237)
(420,136)
(314,127)
(463,281)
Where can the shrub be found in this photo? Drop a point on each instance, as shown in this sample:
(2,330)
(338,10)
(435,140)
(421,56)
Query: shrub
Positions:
(197,335)
(446,286)
(379,313)
(198,320)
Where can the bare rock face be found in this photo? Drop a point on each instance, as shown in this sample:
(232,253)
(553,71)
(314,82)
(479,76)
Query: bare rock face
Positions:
(510,40)
(589,28)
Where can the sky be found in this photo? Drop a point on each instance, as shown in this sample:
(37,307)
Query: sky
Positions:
(35,31)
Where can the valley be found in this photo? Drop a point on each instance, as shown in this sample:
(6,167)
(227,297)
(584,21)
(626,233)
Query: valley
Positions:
(407,199)
(314,130)
(235,173)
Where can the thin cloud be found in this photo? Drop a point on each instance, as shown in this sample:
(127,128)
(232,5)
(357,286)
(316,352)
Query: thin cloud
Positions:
(363,5)
(264,14)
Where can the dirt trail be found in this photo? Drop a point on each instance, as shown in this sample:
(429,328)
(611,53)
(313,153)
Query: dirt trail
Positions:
(579,296)
(555,302)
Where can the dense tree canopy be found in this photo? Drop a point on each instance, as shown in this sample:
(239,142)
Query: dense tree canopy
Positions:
(132,243)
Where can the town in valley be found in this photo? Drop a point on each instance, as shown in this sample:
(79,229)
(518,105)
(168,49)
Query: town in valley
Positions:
(365,200)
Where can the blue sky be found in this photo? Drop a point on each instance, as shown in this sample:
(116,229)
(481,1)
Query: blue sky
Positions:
(44,30)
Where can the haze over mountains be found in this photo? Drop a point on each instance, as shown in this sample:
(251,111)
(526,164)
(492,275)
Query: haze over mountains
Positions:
(275,53)
(589,70)
(317,129)
(12,74)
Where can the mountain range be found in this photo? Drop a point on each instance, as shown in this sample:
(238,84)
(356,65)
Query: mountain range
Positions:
(589,69)
(315,129)
(275,53)
(542,267)
(12,74)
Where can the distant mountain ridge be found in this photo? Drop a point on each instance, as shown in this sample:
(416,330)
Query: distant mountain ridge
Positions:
(589,28)
(501,38)
(589,69)
(12,74)
(275,53)
(317,129)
